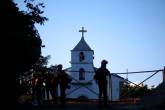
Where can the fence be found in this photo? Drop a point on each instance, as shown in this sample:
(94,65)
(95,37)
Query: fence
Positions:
(110,86)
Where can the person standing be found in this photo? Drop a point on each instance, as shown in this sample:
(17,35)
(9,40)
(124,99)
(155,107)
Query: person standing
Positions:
(101,79)
(63,82)
(54,87)
(37,89)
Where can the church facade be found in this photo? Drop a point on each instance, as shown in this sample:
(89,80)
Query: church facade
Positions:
(82,71)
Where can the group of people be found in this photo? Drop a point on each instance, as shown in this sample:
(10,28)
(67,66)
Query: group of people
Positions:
(62,79)
(48,85)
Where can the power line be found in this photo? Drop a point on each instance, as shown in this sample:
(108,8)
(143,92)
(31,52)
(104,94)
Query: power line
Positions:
(139,72)
(125,72)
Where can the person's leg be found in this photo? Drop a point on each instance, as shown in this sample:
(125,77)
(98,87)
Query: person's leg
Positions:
(105,95)
(38,95)
(33,93)
(100,94)
(47,93)
(63,96)
(55,95)
(62,91)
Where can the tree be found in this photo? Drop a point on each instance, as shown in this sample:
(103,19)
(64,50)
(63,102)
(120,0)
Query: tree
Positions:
(40,66)
(22,40)
(128,91)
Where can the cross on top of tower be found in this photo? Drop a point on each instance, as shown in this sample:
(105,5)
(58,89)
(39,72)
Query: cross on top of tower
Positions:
(82,30)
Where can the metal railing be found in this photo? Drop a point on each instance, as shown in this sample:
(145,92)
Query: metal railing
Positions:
(137,85)
(110,81)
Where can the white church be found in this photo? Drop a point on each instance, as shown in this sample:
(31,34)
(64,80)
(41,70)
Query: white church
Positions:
(82,71)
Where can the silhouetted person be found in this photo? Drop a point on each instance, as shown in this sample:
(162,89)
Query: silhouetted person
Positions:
(51,86)
(47,81)
(33,83)
(36,89)
(101,79)
(63,81)
(54,87)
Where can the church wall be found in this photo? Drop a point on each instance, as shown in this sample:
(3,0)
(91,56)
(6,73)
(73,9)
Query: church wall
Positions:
(88,67)
(116,88)
(88,57)
(83,91)
(88,76)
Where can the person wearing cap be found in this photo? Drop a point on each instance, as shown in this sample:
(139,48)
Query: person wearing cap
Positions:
(101,79)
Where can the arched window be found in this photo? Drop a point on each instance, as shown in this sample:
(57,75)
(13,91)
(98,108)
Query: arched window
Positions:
(81,74)
(82,56)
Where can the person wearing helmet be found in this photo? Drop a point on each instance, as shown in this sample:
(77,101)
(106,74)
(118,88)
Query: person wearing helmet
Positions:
(101,80)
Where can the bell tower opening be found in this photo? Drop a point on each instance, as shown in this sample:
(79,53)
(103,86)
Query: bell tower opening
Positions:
(82,57)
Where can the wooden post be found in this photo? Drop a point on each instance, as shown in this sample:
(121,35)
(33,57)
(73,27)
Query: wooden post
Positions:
(164,74)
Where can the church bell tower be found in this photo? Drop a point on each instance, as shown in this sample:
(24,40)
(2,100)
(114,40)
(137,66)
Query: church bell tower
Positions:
(82,60)
(82,71)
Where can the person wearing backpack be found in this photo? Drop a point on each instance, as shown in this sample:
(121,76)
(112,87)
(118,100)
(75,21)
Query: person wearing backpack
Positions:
(101,79)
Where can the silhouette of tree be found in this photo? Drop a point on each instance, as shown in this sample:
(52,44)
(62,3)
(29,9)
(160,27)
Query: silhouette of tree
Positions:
(134,92)
(41,64)
(42,61)
(25,77)
(23,43)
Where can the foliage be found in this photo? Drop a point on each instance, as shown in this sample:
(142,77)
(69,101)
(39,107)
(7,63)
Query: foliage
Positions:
(22,43)
(23,40)
(41,64)
(34,11)
(129,91)
(25,77)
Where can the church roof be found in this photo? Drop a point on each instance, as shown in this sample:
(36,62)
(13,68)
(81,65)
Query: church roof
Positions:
(82,46)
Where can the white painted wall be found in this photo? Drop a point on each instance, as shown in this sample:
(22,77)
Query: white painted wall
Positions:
(83,91)
(116,87)
(88,57)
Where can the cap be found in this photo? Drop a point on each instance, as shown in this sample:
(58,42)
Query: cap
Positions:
(104,62)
